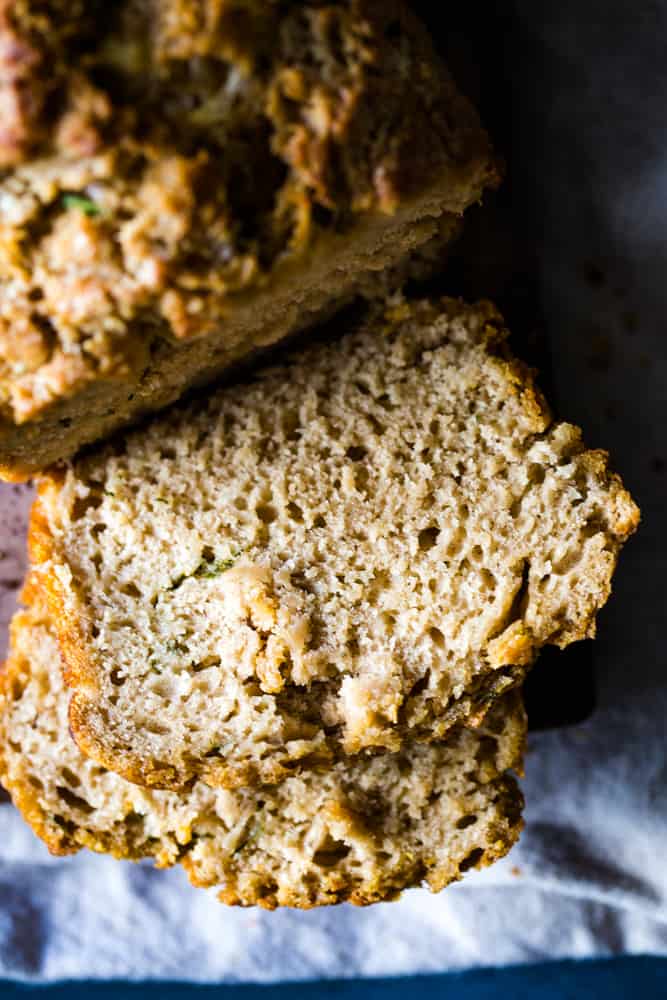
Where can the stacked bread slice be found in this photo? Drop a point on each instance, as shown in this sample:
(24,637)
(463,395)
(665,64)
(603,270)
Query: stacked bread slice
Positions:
(292,616)
(360,831)
(276,633)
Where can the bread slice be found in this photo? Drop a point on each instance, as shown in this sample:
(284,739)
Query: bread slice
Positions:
(366,544)
(362,831)
(188,182)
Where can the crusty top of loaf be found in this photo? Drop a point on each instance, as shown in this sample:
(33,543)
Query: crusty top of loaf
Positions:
(361,832)
(161,159)
(363,544)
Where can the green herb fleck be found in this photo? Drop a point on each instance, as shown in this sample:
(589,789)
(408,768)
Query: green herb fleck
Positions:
(83,204)
(154,664)
(209,568)
(108,493)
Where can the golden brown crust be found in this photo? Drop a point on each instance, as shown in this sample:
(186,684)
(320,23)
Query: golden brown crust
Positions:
(192,154)
(381,254)
(78,669)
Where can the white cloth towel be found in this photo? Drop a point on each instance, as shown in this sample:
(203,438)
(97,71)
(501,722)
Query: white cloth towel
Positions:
(589,876)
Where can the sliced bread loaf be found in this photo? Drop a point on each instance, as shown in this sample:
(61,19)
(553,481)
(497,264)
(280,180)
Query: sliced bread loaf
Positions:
(366,544)
(184,182)
(362,831)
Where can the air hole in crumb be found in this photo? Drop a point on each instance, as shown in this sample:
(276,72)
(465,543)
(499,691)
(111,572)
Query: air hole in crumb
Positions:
(487,749)
(267,513)
(70,777)
(209,661)
(94,631)
(74,801)
(427,538)
(207,554)
(381,581)
(356,453)
(495,725)
(476,553)
(295,512)
(117,678)
(240,503)
(473,859)
(65,824)
(151,726)
(361,479)
(291,424)
(388,619)
(363,389)
(130,590)
(319,522)
(567,563)
(420,686)
(298,579)
(436,637)
(515,507)
(331,852)
(536,473)
(592,527)
(82,505)
(377,426)
(466,821)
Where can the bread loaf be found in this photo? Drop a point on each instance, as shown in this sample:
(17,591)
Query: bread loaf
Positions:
(183,183)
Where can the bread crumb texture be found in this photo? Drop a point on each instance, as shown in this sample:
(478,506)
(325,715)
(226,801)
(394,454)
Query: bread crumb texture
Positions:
(368,543)
(160,163)
(361,831)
